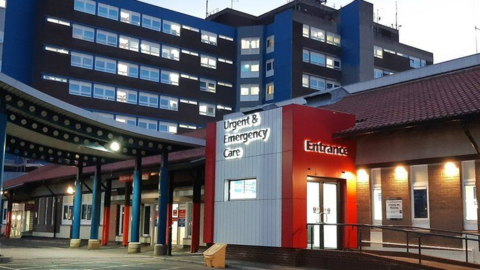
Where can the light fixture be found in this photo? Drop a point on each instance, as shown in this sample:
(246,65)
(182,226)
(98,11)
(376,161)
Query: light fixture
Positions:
(347,175)
(362,175)
(70,190)
(401,173)
(451,169)
(115,146)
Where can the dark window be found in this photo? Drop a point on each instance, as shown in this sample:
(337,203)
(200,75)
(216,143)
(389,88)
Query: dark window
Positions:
(420,203)
(68,212)
(146,220)
(87,211)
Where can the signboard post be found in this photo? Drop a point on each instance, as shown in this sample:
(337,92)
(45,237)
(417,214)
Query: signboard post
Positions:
(394,208)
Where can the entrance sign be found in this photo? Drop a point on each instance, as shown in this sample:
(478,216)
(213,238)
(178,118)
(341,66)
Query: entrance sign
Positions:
(322,148)
(394,209)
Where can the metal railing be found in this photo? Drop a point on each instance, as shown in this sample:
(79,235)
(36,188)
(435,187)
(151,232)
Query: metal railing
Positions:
(409,231)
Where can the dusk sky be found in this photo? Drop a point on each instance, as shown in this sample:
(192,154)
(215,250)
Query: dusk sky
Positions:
(446,28)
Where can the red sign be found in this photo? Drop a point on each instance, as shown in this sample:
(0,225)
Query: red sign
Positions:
(182,213)
(129,178)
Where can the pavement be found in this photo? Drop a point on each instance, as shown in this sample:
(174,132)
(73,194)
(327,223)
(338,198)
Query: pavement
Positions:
(39,253)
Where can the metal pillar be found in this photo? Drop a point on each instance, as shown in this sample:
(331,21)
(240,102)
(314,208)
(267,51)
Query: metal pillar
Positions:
(163,194)
(134,245)
(197,201)
(106,213)
(3,138)
(126,213)
(93,242)
(77,209)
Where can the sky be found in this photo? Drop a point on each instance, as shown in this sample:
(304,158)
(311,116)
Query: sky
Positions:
(446,28)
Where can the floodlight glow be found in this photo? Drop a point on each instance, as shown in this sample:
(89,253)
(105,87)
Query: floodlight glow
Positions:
(115,146)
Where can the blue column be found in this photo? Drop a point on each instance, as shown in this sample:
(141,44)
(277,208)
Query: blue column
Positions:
(163,193)
(3,138)
(96,205)
(77,204)
(136,201)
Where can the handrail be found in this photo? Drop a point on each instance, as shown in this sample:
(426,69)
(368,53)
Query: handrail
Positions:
(408,230)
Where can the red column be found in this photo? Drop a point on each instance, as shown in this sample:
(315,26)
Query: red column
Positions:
(8,227)
(197,197)
(106,213)
(209,197)
(126,213)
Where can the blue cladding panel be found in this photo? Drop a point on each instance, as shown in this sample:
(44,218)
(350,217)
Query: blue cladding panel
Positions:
(350,32)
(19,39)
(283,31)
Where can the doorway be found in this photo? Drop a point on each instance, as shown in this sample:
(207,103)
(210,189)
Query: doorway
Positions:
(323,207)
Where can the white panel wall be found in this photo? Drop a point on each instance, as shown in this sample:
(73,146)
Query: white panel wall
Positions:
(258,221)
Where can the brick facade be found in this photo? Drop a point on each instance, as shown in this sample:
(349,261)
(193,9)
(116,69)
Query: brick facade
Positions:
(364,211)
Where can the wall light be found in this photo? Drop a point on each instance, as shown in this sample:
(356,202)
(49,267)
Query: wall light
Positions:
(401,173)
(70,190)
(451,169)
(348,175)
(362,175)
(115,146)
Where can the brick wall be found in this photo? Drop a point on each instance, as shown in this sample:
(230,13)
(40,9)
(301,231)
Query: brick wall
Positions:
(364,211)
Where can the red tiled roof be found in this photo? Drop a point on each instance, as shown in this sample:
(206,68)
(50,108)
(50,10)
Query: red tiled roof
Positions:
(445,96)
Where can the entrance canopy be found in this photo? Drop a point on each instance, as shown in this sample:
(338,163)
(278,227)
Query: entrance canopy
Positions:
(44,128)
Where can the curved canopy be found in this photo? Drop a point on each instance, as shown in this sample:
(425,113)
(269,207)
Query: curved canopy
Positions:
(44,128)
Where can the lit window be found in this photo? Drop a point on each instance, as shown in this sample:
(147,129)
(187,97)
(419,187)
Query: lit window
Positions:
(332,85)
(377,73)
(130,17)
(250,46)
(148,124)
(207,109)
(57,21)
(270,69)
(126,69)
(376,196)
(469,195)
(333,62)
(108,12)
(171,28)
(317,59)
(57,50)
(53,78)
(317,34)
(171,53)
(104,92)
(209,38)
(242,189)
(317,83)
(85,33)
(126,120)
(226,38)
(150,48)
(306,81)
(168,127)
(107,38)
(208,85)
(306,31)
(149,74)
(269,91)
(127,96)
(170,77)
(270,44)
(80,88)
(129,43)
(415,62)
(168,103)
(249,92)
(151,23)
(105,65)
(377,52)
(250,69)
(148,100)
(208,61)
(82,60)
(333,39)
(67,212)
(86,6)
(419,191)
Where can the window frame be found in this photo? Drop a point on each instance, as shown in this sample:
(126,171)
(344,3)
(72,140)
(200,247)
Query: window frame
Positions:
(82,57)
(169,30)
(206,112)
(81,84)
(167,52)
(85,9)
(169,126)
(109,15)
(152,20)
(249,96)
(127,120)
(170,81)
(150,74)
(207,87)
(269,96)
(105,89)
(130,44)
(127,93)
(208,61)
(253,46)
(209,38)
(129,70)
(270,44)
(144,45)
(131,15)
(84,30)
(172,103)
(107,62)
(419,185)
(378,52)
(108,35)
(150,100)
(375,185)
(250,73)
(147,122)
(228,189)
(469,224)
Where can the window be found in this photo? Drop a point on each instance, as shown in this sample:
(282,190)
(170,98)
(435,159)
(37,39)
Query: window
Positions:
(415,62)
(208,85)
(130,17)
(170,53)
(470,207)
(45,217)
(149,74)
(127,96)
(67,213)
(105,65)
(170,77)
(332,85)
(148,100)
(86,6)
(126,69)
(82,60)
(333,62)
(269,91)
(86,212)
(317,83)
(270,67)
(208,62)
(419,189)
(423,63)
(150,48)
(242,189)
(57,21)
(148,124)
(317,59)
(306,81)
(80,88)
(207,109)
(57,50)
(106,115)
(171,28)
(333,39)
(317,34)
(306,31)
(129,43)
(108,12)
(167,127)
(306,56)
(126,120)
(168,103)
(376,186)
(250,69)
(151,23)
(250,46)
(104,92)
(249,92)
(270,44)
(85,33)
(52,78)
(377,73)
(107,38)
(209,38)
(377,52)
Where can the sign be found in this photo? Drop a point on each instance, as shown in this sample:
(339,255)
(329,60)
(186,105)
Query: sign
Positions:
(323,148)
(394,209)
(129,178)
(242,132)
(182,213)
